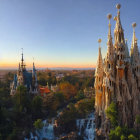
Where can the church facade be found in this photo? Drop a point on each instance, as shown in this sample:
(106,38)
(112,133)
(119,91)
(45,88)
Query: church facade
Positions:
(25,78)
(117,79)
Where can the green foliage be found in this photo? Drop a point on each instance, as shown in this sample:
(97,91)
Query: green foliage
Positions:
(68,118)
(22,100)
(132,137)
(38,124)
(111,113)
(53,102)
(138,119)
(36,106)
(122,133)
(123,137)
(85,106)
(80,96)
(46,77)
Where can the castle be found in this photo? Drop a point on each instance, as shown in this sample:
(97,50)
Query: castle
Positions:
(25,78)
(117,79)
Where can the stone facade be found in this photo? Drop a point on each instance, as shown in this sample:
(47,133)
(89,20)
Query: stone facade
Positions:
(117,79)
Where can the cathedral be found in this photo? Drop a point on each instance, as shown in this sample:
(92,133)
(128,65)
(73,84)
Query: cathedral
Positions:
(25,78)
(117,79)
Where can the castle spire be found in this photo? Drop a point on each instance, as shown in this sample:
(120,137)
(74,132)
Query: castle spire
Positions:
(22,59)
(118,32)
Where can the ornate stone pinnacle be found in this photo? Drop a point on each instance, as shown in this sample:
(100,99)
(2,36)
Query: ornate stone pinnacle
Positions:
(115,18)
(99,40)
(118,6)
(134,24)
(109,16)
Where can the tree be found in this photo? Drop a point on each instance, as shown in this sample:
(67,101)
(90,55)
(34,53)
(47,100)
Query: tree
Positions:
(132,137)
(138,119)
(67,89)
(37,105)
(111,113)
(38,124)
(123,137)
(22,99)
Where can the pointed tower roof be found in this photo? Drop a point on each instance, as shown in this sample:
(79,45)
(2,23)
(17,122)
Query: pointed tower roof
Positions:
(22,61)
(109,42)
(99,67)
(134,52)
(118,31)
(134,40)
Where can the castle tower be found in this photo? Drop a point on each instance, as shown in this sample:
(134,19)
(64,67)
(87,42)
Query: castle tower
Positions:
(25,78)
(99,81)
(34,80)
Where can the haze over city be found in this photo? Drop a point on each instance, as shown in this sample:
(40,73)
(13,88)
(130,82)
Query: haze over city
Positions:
(60,33)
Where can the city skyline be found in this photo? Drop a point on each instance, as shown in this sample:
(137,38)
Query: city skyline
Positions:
(60,33)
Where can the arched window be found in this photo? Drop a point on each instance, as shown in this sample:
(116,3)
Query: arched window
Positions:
(118,57)
(109,66)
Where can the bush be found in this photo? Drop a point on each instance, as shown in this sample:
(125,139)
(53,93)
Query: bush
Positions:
(38,124)
(138,119)
(111,113)
(132,137)
(85,106)
(37,106)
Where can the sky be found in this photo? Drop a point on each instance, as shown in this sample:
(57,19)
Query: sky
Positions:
(60,33)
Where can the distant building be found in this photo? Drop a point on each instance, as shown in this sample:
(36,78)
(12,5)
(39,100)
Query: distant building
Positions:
(25,78)
(59,76)
(44,90)
(54,88)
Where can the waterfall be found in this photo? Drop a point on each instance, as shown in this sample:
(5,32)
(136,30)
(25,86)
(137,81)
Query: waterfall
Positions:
(86,127)
(46,132)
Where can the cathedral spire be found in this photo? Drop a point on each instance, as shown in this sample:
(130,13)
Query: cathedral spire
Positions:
(134,40)
(99,61)
(118,32)
(134,52)
(109,42)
